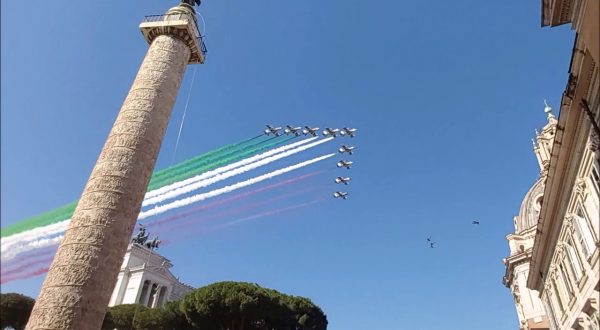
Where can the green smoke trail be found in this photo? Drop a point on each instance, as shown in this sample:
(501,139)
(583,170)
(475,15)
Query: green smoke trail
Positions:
(187,165)
(212,163)
(64,212)
(228,148)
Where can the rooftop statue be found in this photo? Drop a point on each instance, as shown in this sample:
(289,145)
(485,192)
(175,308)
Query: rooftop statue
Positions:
(192,2)
(141,237)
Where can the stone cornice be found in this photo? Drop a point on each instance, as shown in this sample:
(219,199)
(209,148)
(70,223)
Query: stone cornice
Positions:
(570,139)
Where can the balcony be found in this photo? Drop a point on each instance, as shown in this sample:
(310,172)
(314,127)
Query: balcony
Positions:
(182,26)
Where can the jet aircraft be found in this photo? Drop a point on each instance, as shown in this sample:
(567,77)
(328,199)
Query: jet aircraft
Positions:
(346,148)
(272,130)
(344,163)
(348,131)
(475,222)
(310,130)
(292,130)
(344,180)
(330,131)
(340,194)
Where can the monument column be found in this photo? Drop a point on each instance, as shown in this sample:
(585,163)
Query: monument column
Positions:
(77,289)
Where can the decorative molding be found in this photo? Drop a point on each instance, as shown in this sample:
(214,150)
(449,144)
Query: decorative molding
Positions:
(580,186)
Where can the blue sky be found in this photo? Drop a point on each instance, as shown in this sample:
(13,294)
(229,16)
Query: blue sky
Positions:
(446,95)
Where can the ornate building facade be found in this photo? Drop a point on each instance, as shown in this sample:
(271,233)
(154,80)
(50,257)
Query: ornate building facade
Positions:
(557,248)
(145,279)
(564,267)
(530,309)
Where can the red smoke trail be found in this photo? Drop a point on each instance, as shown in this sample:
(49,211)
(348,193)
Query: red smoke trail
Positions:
(233,198)
(36,272)
(31,254)
(264,214)
(193,222)
(20,268)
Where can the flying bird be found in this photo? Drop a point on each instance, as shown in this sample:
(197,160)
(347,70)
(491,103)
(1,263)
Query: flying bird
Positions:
(475,222)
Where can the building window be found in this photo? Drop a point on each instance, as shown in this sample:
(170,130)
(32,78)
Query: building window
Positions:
(566,280)
(550,312)
(583,232)
(557,297)
(574,261)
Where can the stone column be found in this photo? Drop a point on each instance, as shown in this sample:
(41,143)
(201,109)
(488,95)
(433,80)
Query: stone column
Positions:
(77,288)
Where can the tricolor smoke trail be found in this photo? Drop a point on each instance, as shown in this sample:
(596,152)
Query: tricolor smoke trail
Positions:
(223,176)
(220,170)
(20,245)
(162,177)
(200,197)
(23,239)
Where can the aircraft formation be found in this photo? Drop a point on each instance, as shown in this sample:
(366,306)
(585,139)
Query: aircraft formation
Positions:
(291,130)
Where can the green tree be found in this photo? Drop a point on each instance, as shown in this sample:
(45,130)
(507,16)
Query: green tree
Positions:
(138,317)
(247,306)
(306,314)
(15,310)
(122,316)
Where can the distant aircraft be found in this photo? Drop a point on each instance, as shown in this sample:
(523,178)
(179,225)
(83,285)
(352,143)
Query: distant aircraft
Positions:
(346,148)
(344,163)
(431,243)
(330,131)
(343,180)
(340,194)
(475,222)
(292,130)
(272,130)
(348,131)
(310,130)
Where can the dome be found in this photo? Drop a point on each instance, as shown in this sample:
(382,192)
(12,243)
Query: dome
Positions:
(530,207)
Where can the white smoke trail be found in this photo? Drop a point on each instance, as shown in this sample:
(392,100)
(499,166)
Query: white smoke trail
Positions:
(209,174)
(40,243)
(200,197)
(220,177)
(33,234)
